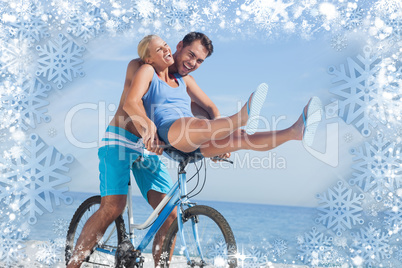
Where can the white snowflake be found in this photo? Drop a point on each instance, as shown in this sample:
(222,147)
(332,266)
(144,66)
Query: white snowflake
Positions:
(353,16)
(377,167)
(348,137)
(5,33)
(24,8)
(87,23)
(32,181)
(3,134)
(65,9)
(388,22)
(373,209)
(59,61)
(399,131)
(306,30)
(196,19)
(217,251)
(399,254)
(117,21)
(60,227)
(213,11)
(340,241)
(52,132)
(7,119)
(177,18)
(29,102)
(30,23)
(269,13)
(393,215)
(315,248)
(161,2)
(370,244)
(14,152)
(339,42)
(10,95)
(252,258)
(143,9)
(16,57)
(358,90)
(304,6)
(12,235)
(280,247)
(218,6)
(339,208)
(163,256)
(395,24)
(390,79)
(49,253)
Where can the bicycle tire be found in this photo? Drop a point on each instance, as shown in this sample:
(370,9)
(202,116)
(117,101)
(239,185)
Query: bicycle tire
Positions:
(218,242)
(115,235)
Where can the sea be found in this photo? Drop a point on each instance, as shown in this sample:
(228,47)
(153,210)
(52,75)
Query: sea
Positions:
(266,232)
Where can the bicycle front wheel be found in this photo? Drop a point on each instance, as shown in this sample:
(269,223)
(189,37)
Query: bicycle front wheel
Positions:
(216,245)
(103,254)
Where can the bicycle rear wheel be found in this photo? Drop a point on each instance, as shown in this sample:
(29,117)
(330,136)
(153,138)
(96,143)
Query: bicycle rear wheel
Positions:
(216,240)
(103,254)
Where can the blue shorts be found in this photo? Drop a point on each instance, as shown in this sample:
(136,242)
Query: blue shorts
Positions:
(118,151)
(163,131)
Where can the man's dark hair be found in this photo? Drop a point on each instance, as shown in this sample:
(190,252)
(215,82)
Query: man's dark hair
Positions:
(205,41)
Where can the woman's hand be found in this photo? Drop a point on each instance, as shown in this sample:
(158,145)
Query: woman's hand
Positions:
(160,145)
(150,138)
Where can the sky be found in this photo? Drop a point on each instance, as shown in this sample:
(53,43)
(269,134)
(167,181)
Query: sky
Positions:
(294,69)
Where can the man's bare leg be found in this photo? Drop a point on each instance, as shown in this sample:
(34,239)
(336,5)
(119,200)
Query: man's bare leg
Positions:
(111,207)
(154,198)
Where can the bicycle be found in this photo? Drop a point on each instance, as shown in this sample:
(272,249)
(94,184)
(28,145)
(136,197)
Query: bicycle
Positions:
(206,238)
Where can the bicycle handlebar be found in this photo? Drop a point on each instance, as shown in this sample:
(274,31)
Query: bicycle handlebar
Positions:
(222,159)
(169,148)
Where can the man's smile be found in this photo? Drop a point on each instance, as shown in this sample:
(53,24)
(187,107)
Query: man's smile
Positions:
(187,67)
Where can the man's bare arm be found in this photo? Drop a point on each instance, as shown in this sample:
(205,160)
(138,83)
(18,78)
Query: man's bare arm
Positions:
(201,99)
(131,69)
(199,112)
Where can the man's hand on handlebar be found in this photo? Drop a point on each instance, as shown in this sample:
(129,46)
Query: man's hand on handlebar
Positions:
(219,157)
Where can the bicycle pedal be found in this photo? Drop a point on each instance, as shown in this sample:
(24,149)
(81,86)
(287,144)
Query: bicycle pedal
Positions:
(126,255)
(129,260)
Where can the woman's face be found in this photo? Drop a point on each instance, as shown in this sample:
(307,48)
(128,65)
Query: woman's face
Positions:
(160,55)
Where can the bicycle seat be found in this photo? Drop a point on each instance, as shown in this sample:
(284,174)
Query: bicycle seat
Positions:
(182,157)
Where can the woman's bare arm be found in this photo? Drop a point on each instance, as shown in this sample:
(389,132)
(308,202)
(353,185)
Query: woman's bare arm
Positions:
(133,104)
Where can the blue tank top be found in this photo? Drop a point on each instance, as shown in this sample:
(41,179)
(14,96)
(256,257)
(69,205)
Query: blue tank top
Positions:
(164,103)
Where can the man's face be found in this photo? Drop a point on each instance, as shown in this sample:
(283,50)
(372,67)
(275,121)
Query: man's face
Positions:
(189,58)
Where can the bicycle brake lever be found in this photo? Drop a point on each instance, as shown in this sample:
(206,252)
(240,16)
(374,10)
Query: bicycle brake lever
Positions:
(217,158)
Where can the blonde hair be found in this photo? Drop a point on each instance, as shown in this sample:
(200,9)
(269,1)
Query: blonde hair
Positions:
(143,49)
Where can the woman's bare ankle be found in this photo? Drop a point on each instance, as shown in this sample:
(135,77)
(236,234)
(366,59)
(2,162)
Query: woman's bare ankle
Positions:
(297,129)
(243,115)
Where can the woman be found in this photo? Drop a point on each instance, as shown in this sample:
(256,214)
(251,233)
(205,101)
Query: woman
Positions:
(168,116)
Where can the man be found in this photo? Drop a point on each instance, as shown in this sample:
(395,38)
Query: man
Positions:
(153,180)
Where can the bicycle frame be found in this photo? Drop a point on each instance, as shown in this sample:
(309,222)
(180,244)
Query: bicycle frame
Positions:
(176,197)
